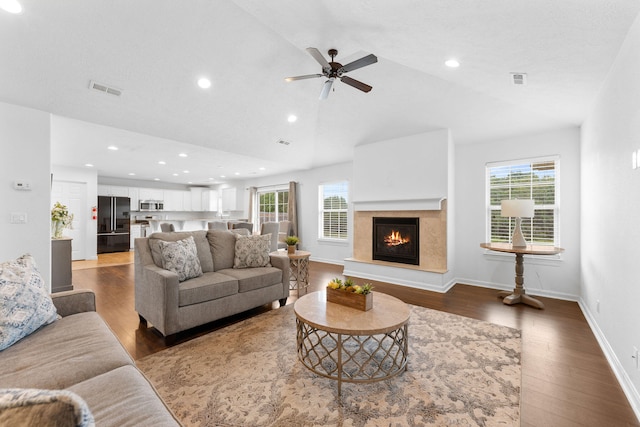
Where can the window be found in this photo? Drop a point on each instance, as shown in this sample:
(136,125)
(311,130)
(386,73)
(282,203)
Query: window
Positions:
(273,205)
(334,199)
(535,179)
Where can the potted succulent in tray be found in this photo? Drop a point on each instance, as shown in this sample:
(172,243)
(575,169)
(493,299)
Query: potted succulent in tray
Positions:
(291,242)
(348,293)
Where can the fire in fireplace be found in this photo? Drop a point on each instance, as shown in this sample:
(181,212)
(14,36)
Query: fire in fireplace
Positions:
(396,240)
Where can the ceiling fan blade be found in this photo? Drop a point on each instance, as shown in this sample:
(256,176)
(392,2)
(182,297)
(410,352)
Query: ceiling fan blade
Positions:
(318,57)
(359,63)
(308,76)
(355,83)
(326,88)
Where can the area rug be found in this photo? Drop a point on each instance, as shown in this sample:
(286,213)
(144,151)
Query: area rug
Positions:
(461,372)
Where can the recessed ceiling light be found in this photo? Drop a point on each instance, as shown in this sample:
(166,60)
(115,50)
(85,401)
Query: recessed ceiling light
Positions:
(237,173)
(162,162)
(156,179)
(204,83)
(222,176)
(11,6)
(89,165)
(183,155)
(185,171)
(292,118)
(210,179)
(131,174)
(452,63)
(112,148)
(262,169)
(175,174)
(189,182)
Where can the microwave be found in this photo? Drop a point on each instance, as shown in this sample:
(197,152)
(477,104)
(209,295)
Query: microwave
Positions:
(151,205)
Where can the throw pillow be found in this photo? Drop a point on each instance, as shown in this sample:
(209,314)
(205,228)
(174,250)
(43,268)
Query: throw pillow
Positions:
(41,407)
(181,257)
(252,251)
(25,303)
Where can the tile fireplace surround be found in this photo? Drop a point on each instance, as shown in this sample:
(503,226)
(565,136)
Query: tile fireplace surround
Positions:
(433,238)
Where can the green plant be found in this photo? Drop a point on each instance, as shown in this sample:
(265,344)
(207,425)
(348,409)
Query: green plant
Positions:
(291,240)
(60,213)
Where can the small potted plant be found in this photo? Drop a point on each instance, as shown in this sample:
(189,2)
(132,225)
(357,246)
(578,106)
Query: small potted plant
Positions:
(291,242)
(348,293)
(61,218)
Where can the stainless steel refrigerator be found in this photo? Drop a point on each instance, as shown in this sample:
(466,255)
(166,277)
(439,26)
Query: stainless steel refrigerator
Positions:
(113,224)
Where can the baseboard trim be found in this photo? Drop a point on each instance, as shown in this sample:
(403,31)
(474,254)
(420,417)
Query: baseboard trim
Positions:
(623,378)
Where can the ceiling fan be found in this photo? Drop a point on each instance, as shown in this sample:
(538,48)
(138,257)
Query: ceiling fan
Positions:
(334,70)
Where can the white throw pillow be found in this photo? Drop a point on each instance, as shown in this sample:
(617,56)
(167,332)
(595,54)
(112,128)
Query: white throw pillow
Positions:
(32,407)
(181,257)
(25,304)
(252,251)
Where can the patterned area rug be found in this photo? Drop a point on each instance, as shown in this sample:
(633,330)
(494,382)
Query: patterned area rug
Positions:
(461,372)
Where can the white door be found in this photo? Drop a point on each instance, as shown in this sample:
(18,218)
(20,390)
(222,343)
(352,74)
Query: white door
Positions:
(74,196)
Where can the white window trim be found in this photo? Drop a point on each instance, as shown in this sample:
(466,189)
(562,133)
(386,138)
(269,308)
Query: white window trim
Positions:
(557,209)
(320,237)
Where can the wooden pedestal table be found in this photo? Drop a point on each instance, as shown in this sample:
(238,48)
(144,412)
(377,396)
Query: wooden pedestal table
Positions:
(518,295)
(298,270)
(347,344)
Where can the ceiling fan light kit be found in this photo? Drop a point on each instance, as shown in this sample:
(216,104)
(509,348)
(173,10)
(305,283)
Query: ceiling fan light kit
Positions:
(334,70)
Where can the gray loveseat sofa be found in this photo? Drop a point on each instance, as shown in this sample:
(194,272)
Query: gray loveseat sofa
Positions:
(79,353)
(173,306)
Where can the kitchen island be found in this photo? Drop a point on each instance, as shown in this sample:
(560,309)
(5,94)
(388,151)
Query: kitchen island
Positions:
(186,224)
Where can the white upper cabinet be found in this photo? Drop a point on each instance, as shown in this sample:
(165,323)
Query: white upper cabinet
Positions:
(229,199)
(113,190)
(204,199)
(151,194)
(173,200)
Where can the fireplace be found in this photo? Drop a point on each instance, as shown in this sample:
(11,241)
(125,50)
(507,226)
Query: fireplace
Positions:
(396,240)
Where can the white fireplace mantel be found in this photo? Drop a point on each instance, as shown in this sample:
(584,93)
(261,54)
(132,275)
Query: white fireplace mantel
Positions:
(434,204)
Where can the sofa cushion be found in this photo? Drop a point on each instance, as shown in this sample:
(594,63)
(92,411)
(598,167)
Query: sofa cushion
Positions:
(25,304)
(250,279)
(63,353)
(252,251)
(207,287)
(199,237)
(35,407)
(124,397)
(181,257)
(222,244)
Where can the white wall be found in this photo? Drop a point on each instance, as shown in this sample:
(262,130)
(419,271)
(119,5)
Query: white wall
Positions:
(25,155)
(611,213)
(558,279)
(90,177)
(308,214)
(409,168)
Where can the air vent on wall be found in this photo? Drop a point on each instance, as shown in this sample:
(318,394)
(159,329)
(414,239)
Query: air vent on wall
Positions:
(283,142)
(519,79)
(101,87)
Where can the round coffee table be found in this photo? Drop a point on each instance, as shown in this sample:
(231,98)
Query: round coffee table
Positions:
(347,344)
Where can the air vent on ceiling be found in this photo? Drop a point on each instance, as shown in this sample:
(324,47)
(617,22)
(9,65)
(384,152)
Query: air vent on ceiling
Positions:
(519,79)
(101,87)
(283,142)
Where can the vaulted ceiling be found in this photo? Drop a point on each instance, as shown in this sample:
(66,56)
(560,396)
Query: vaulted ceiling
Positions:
(155,50)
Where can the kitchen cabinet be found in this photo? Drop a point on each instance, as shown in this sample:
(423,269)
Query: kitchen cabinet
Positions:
(229,199)
(134,198)
(204,199)
(151,194)
(186,201)
(113,190)
(173,200)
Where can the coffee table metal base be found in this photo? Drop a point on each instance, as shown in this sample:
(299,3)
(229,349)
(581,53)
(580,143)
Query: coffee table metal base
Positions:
(352,358)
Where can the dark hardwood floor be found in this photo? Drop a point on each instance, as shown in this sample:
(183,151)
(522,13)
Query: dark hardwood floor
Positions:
(566,380)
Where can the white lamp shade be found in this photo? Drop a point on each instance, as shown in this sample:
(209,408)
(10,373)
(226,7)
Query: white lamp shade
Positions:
(517,208)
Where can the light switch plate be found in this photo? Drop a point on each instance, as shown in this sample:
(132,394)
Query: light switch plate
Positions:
(18,217)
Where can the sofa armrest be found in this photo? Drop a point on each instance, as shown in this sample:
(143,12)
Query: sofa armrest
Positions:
(73,302)
(281,262)
(157,298)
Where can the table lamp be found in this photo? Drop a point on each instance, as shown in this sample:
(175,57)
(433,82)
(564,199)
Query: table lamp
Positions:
(517,209)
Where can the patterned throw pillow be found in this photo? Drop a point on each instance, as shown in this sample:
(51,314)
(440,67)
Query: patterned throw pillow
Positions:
(25,304)
(252,251)
(181,257)
(33,406)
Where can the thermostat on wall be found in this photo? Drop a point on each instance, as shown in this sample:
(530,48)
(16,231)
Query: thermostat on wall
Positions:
(21,185)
